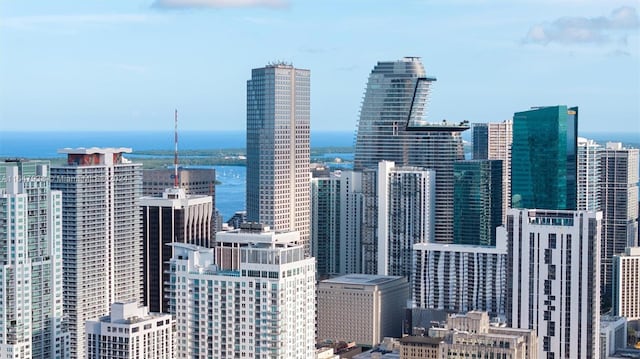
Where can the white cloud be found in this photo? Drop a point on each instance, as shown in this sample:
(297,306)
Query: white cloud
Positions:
(572,30)
(188,4)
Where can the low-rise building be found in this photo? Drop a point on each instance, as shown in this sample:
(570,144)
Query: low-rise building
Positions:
(131,332)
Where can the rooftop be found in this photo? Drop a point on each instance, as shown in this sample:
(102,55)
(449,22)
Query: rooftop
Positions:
(364,279)
(93,150)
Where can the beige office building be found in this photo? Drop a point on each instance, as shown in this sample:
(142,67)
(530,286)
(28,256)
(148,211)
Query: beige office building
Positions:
(361,308)
(626,284)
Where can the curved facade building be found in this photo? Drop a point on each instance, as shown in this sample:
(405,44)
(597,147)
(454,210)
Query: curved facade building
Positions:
(393,127)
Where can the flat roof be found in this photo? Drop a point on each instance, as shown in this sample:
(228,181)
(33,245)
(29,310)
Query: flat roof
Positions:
(92,150)
(421,340)
(365,279)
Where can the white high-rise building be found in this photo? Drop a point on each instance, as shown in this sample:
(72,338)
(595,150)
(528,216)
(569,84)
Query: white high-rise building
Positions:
(101,234)
(406,198)
(553,261)
(460,277)
(588,185)
(393,126)
(278,118)
(351,209)
(492,141)
(131,332)
(30,263)
(619,203)
(626,284)
(251,296)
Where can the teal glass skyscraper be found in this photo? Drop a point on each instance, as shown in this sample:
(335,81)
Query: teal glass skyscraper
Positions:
(543,167)
(477,201)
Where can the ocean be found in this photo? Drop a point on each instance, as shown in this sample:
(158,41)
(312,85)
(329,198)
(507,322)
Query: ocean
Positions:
(230,194)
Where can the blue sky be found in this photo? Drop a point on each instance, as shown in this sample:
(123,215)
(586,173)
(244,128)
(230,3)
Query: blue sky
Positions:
(125,65)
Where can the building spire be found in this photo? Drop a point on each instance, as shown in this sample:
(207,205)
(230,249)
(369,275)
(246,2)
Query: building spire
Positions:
(175,152)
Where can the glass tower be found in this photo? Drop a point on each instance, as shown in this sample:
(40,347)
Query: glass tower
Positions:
(543,167)
(278,115)
(477,201)
(30,263)
(393,127)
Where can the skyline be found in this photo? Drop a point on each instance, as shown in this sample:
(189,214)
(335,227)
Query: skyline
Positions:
(126,65)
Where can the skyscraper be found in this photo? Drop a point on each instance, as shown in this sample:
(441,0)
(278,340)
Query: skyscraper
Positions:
(553,285)
(253,296)
(174,217)
(543,167)
(393,127)
(493,141)
(278,118)
(625,278)
(101,234)
(405,215)
(619,203)
(588,183)
(325,224)
(30,263)
(477,201)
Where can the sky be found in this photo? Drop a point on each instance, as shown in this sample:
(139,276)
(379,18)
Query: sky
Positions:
(126,65)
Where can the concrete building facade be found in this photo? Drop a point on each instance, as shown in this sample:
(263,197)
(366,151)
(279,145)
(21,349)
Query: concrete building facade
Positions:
(361,308)
(131,332)
(278,117)
(101,234)
(253,295)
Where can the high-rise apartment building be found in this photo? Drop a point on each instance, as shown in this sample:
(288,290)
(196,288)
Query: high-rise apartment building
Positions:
(252,296)
(544,158)
(554,281)
(131,332)
(278,118)
(325,224)
(625,278)
(477,201)
(30,263)
(619,203)
(361,308)
(460,278)
(588,183)
(351,217)
(174,217)
(101,234)
(405,215)
(393,127)
(492,141)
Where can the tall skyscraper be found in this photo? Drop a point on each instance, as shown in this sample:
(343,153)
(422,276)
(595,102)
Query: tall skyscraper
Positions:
(351,208)
(278,118)
(405,215)
(253,296)
(393,127)
(543,167)
(101,234)
(619,202)
(493,141)
(325,224)
(30,263)
(477,201)
(553,285)
(460,277)
(174,217)
(199,181)
(588,183)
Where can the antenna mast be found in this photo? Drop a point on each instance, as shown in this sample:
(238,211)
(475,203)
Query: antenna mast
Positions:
(175,152)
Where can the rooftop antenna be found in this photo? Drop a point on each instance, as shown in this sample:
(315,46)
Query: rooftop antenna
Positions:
(175,152)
